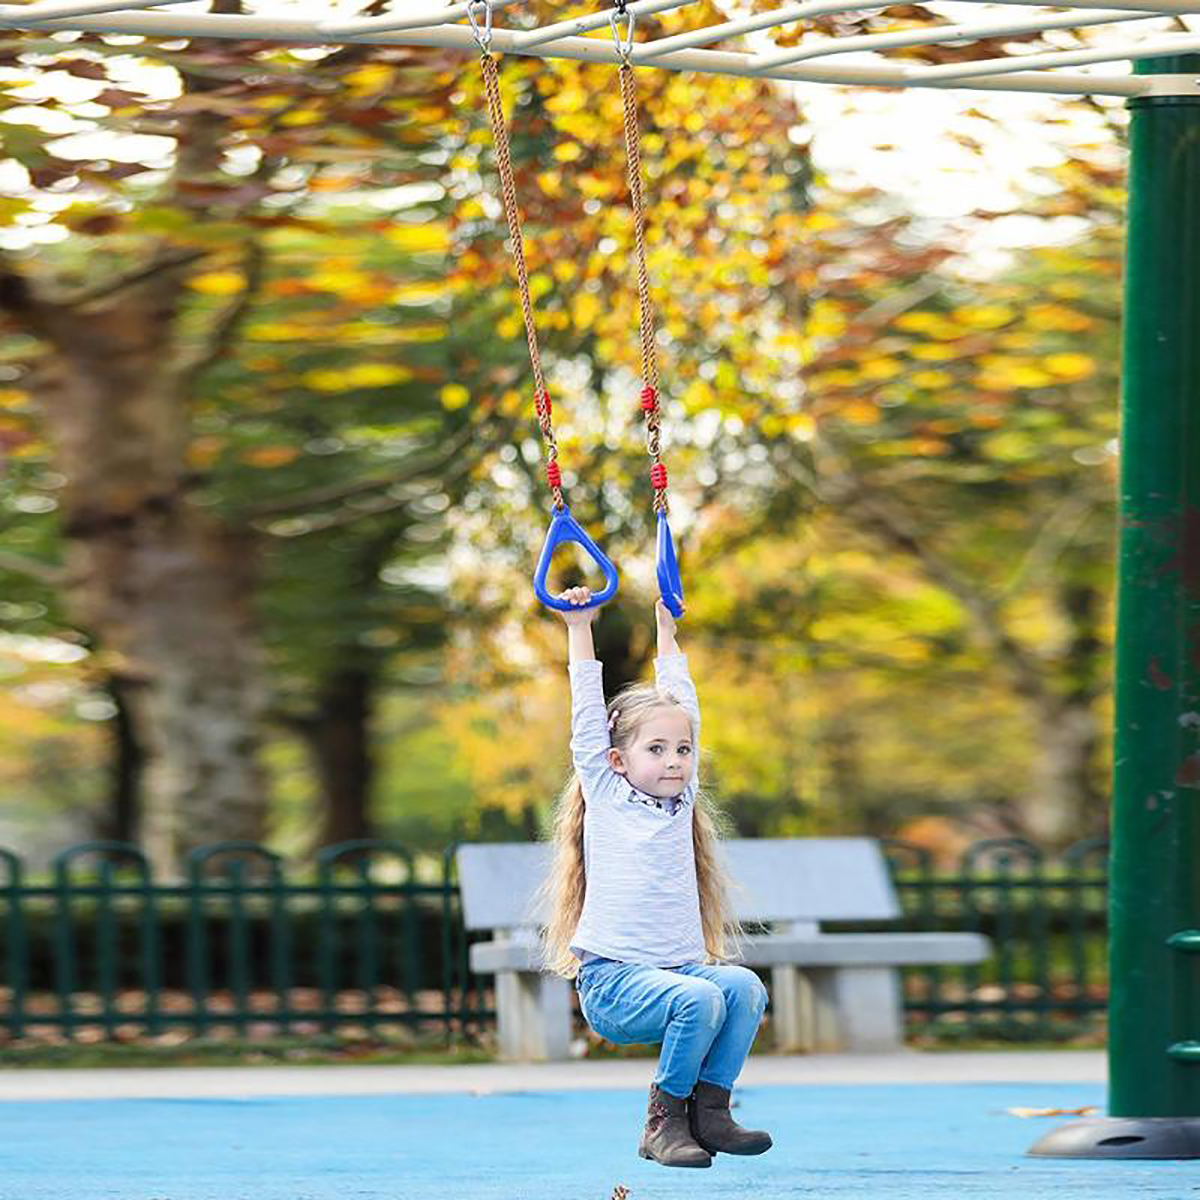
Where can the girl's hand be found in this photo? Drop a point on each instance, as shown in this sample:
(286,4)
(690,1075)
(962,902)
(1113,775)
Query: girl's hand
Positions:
(666,630)
(579,595)
(662,615)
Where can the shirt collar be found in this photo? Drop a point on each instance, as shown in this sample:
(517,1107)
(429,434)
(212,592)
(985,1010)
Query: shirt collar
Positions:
(636,795)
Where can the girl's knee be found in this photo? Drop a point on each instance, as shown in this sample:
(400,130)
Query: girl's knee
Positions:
(703,1001)
(761,998)
(748,989)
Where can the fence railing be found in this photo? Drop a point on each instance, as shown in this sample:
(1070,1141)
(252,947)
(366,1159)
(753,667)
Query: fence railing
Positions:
(1047,918)
(361,941)
(370,938)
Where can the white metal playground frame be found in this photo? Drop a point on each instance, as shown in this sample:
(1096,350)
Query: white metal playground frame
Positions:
(445,27)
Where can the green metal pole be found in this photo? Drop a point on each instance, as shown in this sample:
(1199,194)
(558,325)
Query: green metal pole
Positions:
(1154,905)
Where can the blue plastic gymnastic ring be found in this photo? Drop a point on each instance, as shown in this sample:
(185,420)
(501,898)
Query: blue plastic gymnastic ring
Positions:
(564,528)
(669,585)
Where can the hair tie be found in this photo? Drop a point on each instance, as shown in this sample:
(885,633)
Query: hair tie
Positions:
(612,720)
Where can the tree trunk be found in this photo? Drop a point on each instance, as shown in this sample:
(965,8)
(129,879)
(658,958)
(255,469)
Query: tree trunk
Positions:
(339,738)
(1061,805)
(162,585)
(126,771)
(614,635)
(1066,766)
(167,595)
(845,804)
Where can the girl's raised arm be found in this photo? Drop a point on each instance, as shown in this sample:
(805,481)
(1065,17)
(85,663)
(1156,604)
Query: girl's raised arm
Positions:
(671,671)
(589,718)
(580,647)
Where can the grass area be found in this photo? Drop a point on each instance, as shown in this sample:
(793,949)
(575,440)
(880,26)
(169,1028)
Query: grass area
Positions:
(926,1045)
(333,1051)
(998,1045)
(201,1052)
(402,1047)
(1016,1036)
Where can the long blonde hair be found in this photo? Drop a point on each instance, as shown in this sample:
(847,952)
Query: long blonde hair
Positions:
(566,884)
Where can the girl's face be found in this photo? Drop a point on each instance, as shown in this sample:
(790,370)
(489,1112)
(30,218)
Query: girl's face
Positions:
(660,760)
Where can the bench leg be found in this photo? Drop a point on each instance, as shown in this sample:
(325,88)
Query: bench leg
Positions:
(790,1010)
(533,1016)
(803,1011)
(869,1007)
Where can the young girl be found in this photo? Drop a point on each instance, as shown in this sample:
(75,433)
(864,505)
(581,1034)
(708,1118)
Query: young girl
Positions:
(638,906)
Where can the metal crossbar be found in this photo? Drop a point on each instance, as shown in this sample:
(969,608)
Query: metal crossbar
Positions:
(446,27)
(31,14)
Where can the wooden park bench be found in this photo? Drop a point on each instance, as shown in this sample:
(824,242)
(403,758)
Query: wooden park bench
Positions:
(829,991)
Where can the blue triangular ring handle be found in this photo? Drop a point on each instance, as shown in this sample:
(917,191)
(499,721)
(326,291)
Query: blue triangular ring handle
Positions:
(564,528)
(669,585)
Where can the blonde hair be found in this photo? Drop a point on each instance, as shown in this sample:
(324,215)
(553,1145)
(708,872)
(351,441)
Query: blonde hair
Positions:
(566,884)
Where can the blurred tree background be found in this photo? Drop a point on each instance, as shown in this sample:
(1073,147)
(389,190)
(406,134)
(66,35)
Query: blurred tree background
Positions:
(272,488)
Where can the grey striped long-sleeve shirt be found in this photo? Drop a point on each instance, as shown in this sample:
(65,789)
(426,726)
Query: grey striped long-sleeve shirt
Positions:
(641,903)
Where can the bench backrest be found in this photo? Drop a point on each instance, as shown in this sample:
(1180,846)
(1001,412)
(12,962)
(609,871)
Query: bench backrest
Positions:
(775,879)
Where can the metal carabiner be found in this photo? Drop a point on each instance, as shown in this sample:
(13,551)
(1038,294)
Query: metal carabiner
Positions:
(624,48)
(484,36)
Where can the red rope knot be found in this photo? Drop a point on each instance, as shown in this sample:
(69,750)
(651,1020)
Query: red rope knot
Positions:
(541,402)
(553,475)
(649,399)
(658,476)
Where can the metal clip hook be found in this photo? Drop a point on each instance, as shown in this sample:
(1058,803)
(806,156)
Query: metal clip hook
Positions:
(624,48)
(482,36)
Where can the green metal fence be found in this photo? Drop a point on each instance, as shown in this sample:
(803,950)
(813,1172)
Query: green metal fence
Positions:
(359,942)
(369,939)
(1047,918)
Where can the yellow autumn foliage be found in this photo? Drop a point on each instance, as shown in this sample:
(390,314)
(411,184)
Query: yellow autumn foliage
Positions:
(218,283)
(1069,366)
(875,369)
(360,375)
(454,395)
(983,316)
(428,236)
(1058,318)
(512,742)
(1010,375)
(369,79)
(935,352)
(931,379)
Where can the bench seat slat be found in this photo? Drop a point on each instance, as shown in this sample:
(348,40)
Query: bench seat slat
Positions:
(824,950)
(866,949)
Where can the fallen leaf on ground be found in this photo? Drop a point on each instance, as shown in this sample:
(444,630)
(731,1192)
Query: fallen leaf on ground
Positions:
(1085,1111)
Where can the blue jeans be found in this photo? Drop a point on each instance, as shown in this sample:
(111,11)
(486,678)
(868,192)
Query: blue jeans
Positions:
(705,1016)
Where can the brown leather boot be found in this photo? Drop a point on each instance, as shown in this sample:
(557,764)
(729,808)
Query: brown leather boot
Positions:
(666,1138)
(714,1128)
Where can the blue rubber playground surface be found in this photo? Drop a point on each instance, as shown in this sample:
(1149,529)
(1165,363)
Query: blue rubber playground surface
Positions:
(898,1140)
